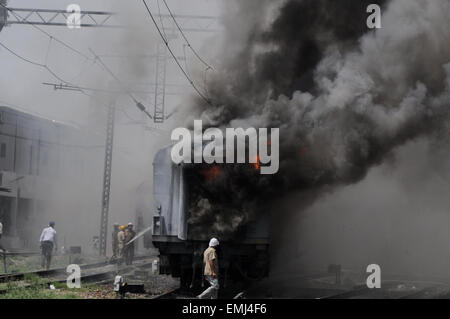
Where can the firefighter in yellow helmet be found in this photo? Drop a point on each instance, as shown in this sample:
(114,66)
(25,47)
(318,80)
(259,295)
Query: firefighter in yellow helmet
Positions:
(128,251)
(121,242)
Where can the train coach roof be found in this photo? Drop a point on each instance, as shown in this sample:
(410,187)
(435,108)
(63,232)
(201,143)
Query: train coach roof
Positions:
(163,155)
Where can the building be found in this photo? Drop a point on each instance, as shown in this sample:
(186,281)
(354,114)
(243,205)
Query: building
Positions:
(35,153)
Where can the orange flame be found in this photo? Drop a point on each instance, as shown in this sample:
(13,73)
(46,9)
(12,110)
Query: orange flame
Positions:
(211,173)
(257,165)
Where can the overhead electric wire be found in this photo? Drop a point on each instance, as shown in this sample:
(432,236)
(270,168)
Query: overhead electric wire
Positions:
(139,105)
(184,36)
(45,66)
(127,91)
(21,57)
(82,91)
(52,37)
(83,69)
(73,86)
(61,86)
(174,57)
(185,60)
(77,88)
(205,87)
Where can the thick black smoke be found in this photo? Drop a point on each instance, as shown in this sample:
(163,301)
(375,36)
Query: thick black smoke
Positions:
(342,95)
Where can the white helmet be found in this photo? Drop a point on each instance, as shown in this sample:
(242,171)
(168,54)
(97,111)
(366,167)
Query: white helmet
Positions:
(213,242)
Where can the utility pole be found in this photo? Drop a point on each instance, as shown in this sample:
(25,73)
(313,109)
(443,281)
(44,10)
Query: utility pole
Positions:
(110,117)
(160,82)
(107,180)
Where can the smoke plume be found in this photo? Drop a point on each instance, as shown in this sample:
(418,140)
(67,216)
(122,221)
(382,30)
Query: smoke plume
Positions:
(343,96)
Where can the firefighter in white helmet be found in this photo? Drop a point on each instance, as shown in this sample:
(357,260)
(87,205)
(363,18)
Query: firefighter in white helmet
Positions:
(211,271)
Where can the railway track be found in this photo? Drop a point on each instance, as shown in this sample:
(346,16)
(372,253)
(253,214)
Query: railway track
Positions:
(56,271)
(103,273)
(20,253)
(100,272)
(395,290)
(171,294)
(185,293)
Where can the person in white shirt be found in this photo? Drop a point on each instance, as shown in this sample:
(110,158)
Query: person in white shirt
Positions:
(211,271)
(48,241)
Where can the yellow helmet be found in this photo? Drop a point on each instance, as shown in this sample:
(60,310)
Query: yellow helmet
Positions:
(122,227)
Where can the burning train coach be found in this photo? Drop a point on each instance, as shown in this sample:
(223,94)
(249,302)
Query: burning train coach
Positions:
(194,202)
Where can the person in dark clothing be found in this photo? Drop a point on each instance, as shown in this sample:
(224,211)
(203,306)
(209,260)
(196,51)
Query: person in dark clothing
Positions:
(1,233)
(115,241)
(129,246)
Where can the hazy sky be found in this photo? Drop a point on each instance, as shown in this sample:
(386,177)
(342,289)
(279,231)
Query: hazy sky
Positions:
(20,77)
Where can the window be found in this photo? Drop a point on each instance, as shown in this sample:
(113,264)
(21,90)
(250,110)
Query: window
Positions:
(3,150)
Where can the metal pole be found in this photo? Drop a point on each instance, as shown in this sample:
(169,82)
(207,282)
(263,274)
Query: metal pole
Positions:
(160,83)
(106,180)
